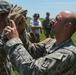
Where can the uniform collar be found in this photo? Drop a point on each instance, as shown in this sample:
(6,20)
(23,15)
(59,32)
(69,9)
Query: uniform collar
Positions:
(63,44)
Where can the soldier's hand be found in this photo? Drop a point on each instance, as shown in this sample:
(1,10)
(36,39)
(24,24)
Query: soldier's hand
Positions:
(11,31)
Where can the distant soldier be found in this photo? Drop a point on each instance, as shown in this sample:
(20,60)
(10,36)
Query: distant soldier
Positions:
(47,26)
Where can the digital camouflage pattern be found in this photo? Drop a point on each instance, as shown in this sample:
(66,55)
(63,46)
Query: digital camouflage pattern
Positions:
(5,65)
(35,49)
(4,7)
(57,60)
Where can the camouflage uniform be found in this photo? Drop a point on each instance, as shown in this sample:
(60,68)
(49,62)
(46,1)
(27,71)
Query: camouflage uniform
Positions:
(56,61)
(35,49)
(5,65)
(47,27)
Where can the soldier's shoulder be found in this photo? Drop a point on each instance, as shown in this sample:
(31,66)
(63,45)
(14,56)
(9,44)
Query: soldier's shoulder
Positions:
(71,48)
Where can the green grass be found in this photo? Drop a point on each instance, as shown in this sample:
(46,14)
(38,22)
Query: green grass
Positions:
(74,38)
(15,73)
(42,36)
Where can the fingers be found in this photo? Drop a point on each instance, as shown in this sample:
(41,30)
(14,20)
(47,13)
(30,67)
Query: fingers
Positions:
(11,31)
(7,30)
(12,24)
(16,8)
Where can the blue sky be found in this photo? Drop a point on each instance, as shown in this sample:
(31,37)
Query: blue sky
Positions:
(43,6)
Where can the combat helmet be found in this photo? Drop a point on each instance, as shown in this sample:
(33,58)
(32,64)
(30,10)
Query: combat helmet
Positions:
(5,7)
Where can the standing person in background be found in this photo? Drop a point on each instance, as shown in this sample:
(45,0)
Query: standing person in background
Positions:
(47,26)
(35,26)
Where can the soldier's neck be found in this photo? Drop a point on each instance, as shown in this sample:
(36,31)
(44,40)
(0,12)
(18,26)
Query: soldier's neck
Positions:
(61,40)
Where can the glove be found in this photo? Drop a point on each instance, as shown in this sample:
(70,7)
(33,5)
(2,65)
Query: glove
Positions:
(15,17)
(16,13)
(23,12)
(18,9)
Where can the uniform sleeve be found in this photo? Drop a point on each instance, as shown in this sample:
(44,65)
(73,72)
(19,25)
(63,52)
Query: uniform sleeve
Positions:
(25,64)
(35,49)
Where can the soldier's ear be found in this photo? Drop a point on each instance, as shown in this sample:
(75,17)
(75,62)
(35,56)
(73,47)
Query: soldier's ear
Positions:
(67,25)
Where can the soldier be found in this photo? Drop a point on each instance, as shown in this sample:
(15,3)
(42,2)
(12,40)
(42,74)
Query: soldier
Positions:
(46,23)
(60,54)
(5,65)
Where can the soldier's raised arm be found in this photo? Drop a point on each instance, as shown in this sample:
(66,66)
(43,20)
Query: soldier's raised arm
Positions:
(60,57)
(22,60)
(35,49)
